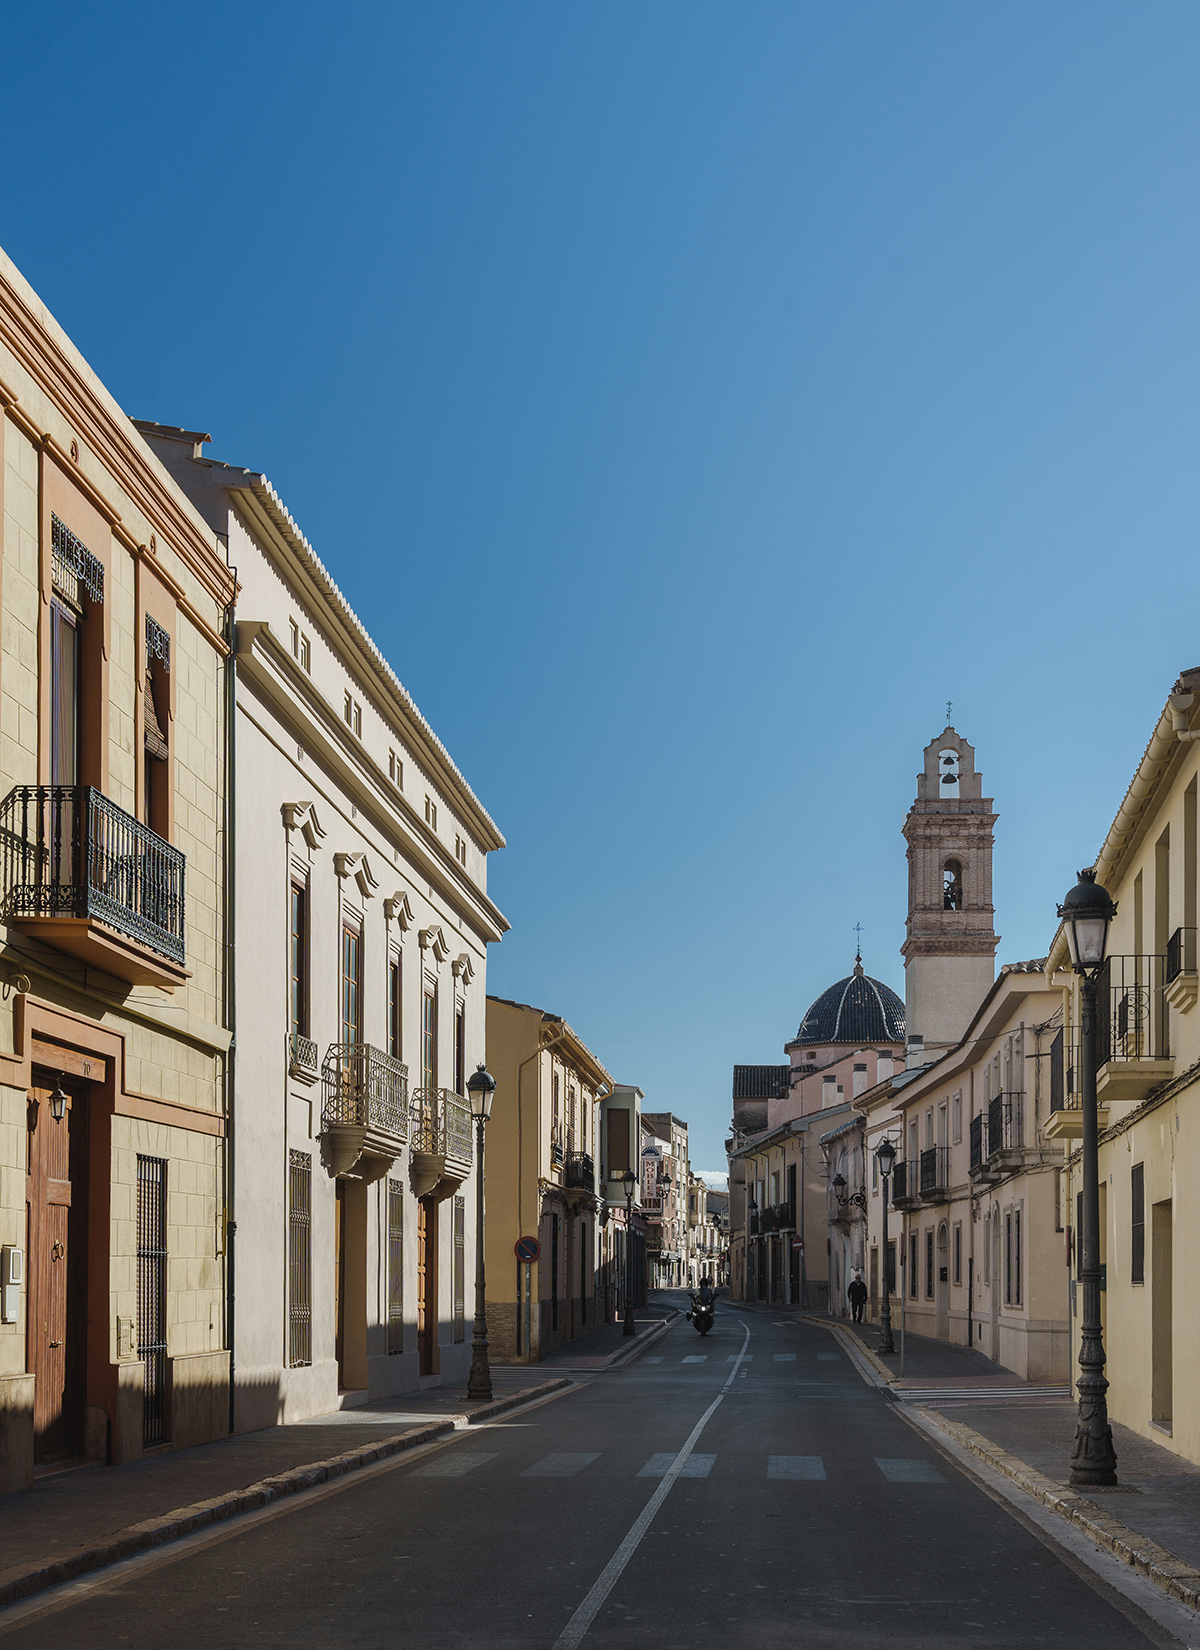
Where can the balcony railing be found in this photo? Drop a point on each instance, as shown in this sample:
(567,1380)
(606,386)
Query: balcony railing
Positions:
(581,1172)
(441,1124)
(977,1142)
(302,1056)
(905,1182)
(1005,1123)
(365,1088)
(1181,954)
(935,1171)
(70,852)
(1132,1019)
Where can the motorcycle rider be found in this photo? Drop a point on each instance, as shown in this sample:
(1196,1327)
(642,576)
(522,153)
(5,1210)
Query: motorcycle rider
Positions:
(704,1297)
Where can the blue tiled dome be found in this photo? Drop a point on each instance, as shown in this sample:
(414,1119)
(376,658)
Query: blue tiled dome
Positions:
(857,1009)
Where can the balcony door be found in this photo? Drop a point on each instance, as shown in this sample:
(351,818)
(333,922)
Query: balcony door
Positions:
(427,1233)
(56,1188)
(64,694)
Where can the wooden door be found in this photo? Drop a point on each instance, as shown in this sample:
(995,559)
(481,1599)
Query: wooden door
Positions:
(339,1278)
(56,1245)
(427,1285)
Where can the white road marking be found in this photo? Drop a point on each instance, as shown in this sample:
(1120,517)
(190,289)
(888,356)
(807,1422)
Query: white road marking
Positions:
(900,1471)
(572,1634)
(559,1466)
(454,1466)
(696,1466)
(785,1357)
(810,1467)
(697,1358)
(736,1357)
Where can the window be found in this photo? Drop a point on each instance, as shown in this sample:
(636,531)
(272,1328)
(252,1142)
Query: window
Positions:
(395,1265)
(305,655)
(1012,1257)
(958,1252)
(351,983)
(1017,1256)
(294,628)
(431,813)
(152,1294)
(554,1128)
(618,1141)
(956,1117)
(352,714)
(64,693)
(156,722)
(299,1260)
(912,1266)
(1137,1233)
(460,849)
(460,1269)
(396,770)
(429,1037)
(929,1265)
(460,1048)
(952,886)
(395,1011)
(298,961)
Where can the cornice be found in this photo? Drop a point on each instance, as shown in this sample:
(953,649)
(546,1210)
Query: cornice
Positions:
(302,816)
(107,433)
(357,866)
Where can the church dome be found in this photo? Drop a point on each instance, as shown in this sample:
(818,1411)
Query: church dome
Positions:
(857,1009)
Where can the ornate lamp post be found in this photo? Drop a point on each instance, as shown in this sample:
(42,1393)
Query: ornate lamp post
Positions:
(629,1181)
(885,1156)
(1086,913)
(481,1087)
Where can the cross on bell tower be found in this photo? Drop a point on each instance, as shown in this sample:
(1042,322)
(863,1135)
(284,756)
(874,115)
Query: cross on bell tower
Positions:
(949,952)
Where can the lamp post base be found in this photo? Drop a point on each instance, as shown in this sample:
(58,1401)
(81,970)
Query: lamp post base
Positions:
(479,1381)
(630,1327)
(886,1347)
(1094,1458)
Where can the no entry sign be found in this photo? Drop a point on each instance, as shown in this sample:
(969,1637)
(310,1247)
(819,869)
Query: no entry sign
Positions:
(527,1249)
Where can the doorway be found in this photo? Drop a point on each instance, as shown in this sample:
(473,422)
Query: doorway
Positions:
(350,1284)
(943,1284)
(427,1224)
(56,1245)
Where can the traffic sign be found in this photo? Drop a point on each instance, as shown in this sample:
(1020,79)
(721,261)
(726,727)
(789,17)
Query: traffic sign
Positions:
(527,1249)
(797,1243)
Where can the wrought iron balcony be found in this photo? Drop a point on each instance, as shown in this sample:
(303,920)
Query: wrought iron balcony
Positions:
(581,1172)
(364,1117)
(976,1143)
(302,1058)
(935,1171)
(1005,1124)
(91,880)
(440,1142)
(906,1182)
(1181,976)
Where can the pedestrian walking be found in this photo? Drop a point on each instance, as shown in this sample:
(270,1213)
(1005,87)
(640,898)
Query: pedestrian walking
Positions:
(857,1294)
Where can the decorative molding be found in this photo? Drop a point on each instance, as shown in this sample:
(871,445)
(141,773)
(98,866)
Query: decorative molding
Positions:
(432,939)
(398,907)
(463,968)
(359,867)
(302,816)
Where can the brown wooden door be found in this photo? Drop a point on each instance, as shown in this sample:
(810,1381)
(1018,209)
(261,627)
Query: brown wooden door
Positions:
(427,1285)
(55,1191)
(339,1278)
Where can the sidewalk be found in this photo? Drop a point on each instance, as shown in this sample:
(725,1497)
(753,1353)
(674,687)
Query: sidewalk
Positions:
(608,1344)
(929,1363)
(80,1520)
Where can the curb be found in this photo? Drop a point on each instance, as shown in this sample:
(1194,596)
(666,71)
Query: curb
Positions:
(1173,1575)
(18,1584)
(626,1354)
(872,1369)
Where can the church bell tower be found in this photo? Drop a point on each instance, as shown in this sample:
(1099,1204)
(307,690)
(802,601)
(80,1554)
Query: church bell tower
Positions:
(949,953)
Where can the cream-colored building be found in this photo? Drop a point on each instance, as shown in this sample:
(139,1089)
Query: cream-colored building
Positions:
(665,1172)
(1148,1085)
(622,1246)
(362,920)
(542,1150)
(114,1018)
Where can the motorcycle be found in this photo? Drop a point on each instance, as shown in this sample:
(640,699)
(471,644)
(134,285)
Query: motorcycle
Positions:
(703,1314)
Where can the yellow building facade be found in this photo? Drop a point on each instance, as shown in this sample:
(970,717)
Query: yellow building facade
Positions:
(116,600)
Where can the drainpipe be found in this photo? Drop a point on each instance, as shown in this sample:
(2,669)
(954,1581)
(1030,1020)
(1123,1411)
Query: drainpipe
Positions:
(229,949)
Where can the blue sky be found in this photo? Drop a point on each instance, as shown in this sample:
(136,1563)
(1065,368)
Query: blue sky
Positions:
(692,397)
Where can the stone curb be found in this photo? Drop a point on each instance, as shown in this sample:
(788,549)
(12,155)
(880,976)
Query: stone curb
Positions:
(18,1583)
(626,1354)
(872,1369)
(1173,1575)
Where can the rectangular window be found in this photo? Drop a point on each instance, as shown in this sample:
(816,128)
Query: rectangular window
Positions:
(298,961)
(396,770)
(460,1269)
(395,1011)
(929,1266)
(1008,1258)
(351,984)
(395,1265)
(429,1037)
(64,695)
(912,1265)
(299,1260)
(305,655)
(348,710)
(956,1116)
(431,813)
(152,1294)
(1137,1247)
(357,724)
(618,1141)
(460,1048)
(294,628)
(958,1253)
(1016,1257)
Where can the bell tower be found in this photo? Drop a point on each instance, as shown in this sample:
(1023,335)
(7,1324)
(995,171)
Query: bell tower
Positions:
(949,953)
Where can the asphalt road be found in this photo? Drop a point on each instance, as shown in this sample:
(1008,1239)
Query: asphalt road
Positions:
(807,1513)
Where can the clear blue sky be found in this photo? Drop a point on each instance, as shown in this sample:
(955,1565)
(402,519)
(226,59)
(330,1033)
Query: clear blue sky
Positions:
(692,397)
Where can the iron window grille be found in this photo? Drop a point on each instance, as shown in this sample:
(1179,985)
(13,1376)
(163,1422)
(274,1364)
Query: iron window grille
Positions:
(72,565)
(299,1260)
(460,1269)
(152,1295)
(158,643)
(395,1265)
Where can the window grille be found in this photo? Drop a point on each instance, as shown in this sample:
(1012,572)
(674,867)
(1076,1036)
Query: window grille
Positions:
(460,1269)
(73,566)
(158,643)
(152,1294)
(395,1265)
(299,1260)
(1137,1253)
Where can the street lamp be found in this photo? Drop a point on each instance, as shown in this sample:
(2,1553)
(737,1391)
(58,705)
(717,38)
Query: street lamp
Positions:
(839,1191)
(481,1087)
(58,1102)
(629,1181)
(1086,914)
(885,1156)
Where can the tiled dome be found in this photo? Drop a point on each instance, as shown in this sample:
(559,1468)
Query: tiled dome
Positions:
(857,1009)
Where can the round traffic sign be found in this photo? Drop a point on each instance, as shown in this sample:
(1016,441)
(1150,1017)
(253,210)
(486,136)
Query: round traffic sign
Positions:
(527,1248)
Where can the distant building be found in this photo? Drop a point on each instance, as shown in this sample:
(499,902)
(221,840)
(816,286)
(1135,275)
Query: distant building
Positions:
(665,1174)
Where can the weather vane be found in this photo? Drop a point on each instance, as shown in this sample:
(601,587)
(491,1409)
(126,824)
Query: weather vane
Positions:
(949,708)
(858,940)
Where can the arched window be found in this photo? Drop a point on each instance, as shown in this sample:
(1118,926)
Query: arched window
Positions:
(948,769)
(952,885)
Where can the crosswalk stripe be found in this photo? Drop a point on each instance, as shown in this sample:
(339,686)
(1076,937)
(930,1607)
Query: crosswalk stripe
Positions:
(696,1466)
(732,1358)
(697,1358)
(560,1466)
(898,1470)
(785,1357)
(810,1467)
(454,1464)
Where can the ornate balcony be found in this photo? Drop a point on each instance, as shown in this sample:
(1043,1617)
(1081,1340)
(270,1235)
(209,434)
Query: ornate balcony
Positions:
(580,1175)
(1181,976)
(440,1145)
(935,1174)
(906,1184)
(303,1063)
(364,1117)
(84,876)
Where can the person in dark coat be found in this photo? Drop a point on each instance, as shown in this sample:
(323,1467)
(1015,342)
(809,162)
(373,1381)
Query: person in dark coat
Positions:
(857,1296)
